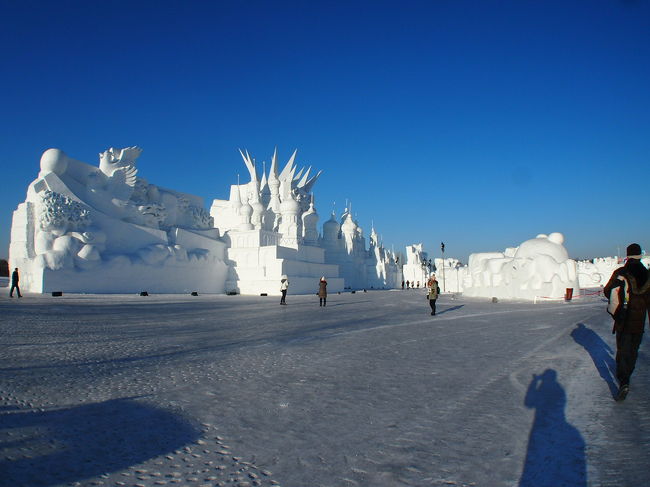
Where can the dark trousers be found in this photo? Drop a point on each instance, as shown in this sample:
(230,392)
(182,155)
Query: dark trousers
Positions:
(627,349)
(432,303)
(14,286)
(283,299)
(323,301)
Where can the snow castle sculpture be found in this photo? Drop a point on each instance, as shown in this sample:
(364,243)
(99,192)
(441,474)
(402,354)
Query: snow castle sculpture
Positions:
(539,267)
(271,227)
(103,229)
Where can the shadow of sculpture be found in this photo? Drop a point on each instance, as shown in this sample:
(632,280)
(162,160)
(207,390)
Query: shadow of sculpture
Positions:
(556,450)
(68,445)
(600,353)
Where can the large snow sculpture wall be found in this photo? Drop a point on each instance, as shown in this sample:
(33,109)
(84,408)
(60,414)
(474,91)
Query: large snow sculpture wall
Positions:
(102,229)
(539,267)
(416,269)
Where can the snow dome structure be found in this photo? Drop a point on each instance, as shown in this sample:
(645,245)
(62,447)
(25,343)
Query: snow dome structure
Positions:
(90,229)
(539,267)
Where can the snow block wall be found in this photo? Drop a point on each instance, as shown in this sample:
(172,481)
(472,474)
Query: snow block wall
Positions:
(103,229)
(539,267)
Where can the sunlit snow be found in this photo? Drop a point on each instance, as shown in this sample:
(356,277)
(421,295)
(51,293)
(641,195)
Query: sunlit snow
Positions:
(371,390)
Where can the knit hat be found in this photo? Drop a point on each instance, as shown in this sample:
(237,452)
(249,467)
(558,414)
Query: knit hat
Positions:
(634,251)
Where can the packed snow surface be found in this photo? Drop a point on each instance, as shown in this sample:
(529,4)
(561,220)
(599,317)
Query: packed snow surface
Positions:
(371,390)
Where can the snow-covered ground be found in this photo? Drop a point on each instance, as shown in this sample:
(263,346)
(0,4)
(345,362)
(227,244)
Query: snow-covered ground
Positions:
(369,391)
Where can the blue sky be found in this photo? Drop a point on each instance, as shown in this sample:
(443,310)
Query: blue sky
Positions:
(480,124)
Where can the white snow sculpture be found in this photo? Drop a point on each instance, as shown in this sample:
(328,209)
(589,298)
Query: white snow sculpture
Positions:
(416,268)
(597,272)
(284,239)
(539,267)
(103,229)
(450,274)
(271,230)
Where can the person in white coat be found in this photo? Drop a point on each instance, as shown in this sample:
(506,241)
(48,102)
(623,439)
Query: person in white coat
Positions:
(284,285)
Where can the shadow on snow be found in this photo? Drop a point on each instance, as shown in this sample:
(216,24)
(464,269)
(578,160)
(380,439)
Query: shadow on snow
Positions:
(68,445)
(453,308)
(556,450)
(600,353)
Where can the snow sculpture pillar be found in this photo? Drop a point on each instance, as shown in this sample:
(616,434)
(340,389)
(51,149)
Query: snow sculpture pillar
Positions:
(310,224)
(289,228)
(349,232)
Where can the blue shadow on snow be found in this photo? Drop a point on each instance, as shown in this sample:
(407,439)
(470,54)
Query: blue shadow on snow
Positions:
(556,450)
(453,308)
(68,445)
(600,353)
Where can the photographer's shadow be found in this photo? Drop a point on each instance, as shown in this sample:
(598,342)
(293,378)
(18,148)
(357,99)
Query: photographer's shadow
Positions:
(600,353)
(63,446)
(556,450)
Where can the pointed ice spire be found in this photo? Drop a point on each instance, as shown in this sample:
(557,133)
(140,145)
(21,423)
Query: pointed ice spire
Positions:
(273,172)
(304,179)
(250,165)
(286,172)
(291,176)
(264,182)
(310,183)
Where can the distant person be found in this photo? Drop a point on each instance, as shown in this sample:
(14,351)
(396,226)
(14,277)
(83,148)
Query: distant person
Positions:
(418,284)
(433,293)
(628,292)
(322,291)
(284,285)
(14,284)
(407,284)
(402,284)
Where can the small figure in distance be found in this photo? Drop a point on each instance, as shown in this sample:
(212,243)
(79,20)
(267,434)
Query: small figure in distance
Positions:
(434,291)
(418,284)
(284,285)
(402,284)
(322,291)
(14,284)
(407,284)
(628,292)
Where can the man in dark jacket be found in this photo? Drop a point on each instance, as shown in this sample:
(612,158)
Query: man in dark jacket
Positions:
(14,284)
(628,291)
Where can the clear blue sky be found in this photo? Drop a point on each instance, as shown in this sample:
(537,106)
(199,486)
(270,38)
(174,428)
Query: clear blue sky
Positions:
(478,123)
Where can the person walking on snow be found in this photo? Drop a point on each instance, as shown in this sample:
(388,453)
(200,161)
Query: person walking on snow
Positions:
(14,284)
(284,285)
(434,291)
(322,291)
(628,292)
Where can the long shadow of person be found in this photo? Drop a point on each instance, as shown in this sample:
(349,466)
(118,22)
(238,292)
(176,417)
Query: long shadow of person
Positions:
(600,353)
(556,450)
(69,445)
(453,308)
